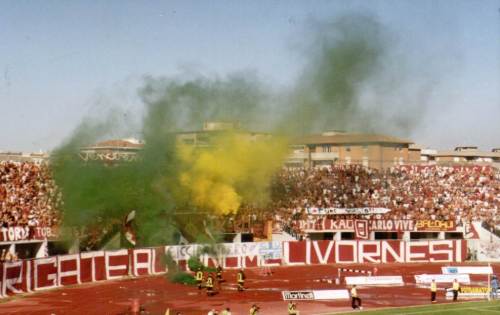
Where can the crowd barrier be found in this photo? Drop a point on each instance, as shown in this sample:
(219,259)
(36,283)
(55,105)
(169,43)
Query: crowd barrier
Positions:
(32,275)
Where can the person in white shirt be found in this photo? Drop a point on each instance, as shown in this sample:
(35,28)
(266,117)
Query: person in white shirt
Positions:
(355,300)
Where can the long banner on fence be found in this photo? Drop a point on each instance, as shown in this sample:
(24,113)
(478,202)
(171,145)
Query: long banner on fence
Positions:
(325,224)
(46,273)
(359,211)
(23,233)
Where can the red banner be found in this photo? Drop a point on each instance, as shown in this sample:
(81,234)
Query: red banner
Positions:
(46,273)
(338,252)
(23,233)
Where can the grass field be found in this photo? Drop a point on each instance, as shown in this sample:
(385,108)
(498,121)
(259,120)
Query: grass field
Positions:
(462,308)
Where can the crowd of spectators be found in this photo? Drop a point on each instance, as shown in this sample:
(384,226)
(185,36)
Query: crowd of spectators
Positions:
(460,193)
(28,195)
(7,256)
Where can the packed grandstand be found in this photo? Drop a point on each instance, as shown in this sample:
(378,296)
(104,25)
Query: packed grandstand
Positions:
(461,194)
(339,214)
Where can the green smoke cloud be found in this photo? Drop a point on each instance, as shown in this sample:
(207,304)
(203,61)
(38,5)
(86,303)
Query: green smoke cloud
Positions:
(339,88)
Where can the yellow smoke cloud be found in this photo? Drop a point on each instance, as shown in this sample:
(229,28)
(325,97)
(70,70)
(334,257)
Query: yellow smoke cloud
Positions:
(234,169)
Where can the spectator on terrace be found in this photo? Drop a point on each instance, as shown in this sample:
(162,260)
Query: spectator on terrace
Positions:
(462,194)
(28,196)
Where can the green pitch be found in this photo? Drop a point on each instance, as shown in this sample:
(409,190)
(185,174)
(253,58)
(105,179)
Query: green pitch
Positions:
(460,308)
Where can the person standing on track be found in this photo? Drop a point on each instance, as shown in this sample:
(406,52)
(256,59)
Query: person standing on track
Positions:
(219,273)
(254,310)
(494,287)
(355,300)
(210,285)
(455,289)
(292,309)
(433,291)
(199,277)
(240,279)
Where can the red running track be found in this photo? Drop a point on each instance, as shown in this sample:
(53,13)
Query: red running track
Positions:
(156,294)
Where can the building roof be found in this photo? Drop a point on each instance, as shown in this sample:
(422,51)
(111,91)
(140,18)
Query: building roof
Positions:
(350,138)
(117,144)
(416,147)
(468,153)
(216,132)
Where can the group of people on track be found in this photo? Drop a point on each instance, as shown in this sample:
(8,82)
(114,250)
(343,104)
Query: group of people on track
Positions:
(208,282)
(455,289)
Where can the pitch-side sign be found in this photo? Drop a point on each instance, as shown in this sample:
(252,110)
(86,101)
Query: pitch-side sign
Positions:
(310,295)
(472,270)
(323,211)
(439,278)
(470,292)
(379,280)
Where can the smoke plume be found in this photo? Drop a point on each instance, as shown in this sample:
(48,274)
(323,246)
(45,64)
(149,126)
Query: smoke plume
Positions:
(356,80)
(351,81)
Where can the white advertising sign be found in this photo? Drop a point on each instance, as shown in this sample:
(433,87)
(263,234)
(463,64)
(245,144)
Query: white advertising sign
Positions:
(315,295)
(470,292)
(439,278)
(378,280)
(298,295)
(472,270)
(331,294)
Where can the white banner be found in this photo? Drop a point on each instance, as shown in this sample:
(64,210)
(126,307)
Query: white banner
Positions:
(472,270)
(270,250)
(331,294)
(439,278)
(241,249)
(361,211)
(267,250)
(310,295)
(379,280)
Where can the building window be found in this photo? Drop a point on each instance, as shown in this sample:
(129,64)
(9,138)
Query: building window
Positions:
(327,148)
(365,148)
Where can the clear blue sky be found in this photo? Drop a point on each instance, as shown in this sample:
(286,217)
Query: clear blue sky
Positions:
(61,60)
